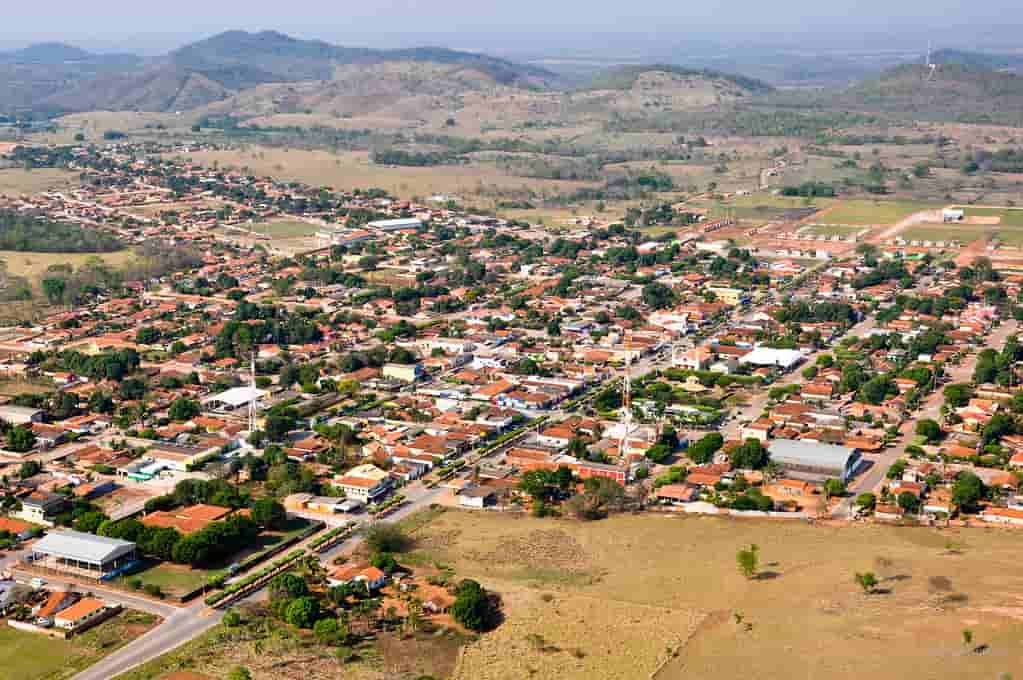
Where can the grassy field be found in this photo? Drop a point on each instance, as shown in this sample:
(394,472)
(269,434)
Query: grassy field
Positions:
(831,230)
(1010,217)
(285,229)
(350,170)
(868,213)
(30,656)
(174,579)
(12,387)
(32,265)
(944,232)
(618,598)
(17,181)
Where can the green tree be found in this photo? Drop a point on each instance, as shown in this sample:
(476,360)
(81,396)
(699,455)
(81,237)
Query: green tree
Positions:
(834,487)
(385,537)
(957,395)
(302,612)
(288,586)
(748,560)
(908,502)
(897,469)
(183,409)
(867,581)
(751,455)
(269,513)
(239,673)
(703,451)
(54,289)
(658,296)
(473,606)
(329,632)
(21,438)
(929,430)
(867,501)
(967,491)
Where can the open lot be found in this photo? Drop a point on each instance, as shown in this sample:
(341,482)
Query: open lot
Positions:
(945,232)
(355,170)
(285,229)
(33,265)
(830,230)
(870,213)
(32,656)
(805,617)
(17,181)
(174,579)
(1008,217)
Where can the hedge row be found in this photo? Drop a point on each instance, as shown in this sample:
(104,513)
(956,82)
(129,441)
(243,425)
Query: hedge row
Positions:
(237,586)
(329,536)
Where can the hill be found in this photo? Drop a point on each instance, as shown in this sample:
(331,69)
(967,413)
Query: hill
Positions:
(957,92)
(54,77)
(628,77)
(984,60)
(45,53)
(270,56)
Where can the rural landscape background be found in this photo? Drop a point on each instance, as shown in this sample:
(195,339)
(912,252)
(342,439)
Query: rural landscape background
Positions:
(790,150)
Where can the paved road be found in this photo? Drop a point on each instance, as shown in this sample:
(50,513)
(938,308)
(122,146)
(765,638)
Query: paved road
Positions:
(183,624)
(758,403)
(177,629)
(931,408)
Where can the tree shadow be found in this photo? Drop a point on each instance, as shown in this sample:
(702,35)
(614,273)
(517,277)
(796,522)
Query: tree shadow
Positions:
(899,578)
(767,575)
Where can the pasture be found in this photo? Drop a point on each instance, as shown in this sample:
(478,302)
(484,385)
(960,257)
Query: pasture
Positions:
(18,181)
(865,212)
(620,597)
(32,656)
(33,265)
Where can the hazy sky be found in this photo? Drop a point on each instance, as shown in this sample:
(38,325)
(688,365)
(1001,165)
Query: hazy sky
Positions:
(157,26)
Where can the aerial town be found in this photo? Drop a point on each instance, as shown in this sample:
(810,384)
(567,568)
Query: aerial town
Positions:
(247,409)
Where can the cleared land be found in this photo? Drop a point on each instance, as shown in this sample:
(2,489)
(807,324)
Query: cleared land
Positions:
(17,181)
(869,213)
(944,232)
(31,656)
(33,265)
(831,230)
(174,579)
(1009,217)
(650,578)
(352,170)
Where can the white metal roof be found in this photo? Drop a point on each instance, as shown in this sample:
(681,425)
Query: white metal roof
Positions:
(798,452)
(76,545)
(767,356)
(237,396)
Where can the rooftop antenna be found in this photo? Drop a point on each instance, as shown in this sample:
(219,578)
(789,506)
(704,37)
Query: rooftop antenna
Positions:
(931,66)
(252,400)
(627,415)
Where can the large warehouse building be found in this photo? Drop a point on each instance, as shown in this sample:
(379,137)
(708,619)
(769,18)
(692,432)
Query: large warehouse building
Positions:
(814,461)
(84,555)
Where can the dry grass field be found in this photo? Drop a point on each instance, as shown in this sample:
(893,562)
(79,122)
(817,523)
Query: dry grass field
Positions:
(33,265)
(615,599)
(18,181)
(863,212)
(355,170)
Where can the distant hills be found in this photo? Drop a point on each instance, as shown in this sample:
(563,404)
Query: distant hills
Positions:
(956,92)
(985,60)
(55,77)
(626,77)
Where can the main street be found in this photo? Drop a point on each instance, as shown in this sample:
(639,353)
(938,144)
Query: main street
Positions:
(752,410)
(183,624)
(930,409)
